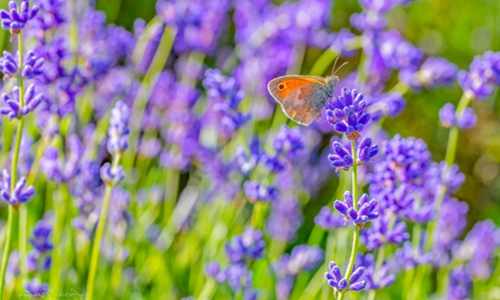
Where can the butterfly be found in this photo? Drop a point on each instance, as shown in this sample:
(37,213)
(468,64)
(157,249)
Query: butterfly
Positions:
(303,98)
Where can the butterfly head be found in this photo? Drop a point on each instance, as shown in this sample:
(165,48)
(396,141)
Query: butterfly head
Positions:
(332,83)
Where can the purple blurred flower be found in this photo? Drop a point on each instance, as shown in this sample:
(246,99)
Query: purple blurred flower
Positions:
(447,115)
(118,128)
(374,281)
(303,258)
(342,43)
(483,75)
(386,105)
(18,15)
(365,212)
(385,229)
(347,113)
(258,192)
(224,97)
(450,226)
(478,249)
(14,109)
(327,220)
(66,169)
(434,71)
(198,23)
(111,175)
(459,284)
(284,219)
(19,194)
(248,245)
(41,236)
(36,289)
(409,257)
(289,142)
(336,281)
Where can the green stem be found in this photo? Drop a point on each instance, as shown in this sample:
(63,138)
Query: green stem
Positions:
(23,216)
(6,251)
(453,138)
(99,233)
(355,238)
(13,181)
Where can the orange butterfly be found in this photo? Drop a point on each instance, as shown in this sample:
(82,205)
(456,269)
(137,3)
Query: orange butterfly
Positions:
(303,98)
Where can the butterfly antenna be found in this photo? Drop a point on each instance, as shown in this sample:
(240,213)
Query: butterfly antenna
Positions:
(334,65)
(345,63)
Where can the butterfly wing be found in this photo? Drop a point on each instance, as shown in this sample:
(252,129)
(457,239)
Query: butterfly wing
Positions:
(301,97)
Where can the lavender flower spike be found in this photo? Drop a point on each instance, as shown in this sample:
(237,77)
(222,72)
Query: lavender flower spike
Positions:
(118,131)
(347,113)
(365,212)
(249,245)
(16,18)
(14,109)
(19,195)
(342,158)
(336,281)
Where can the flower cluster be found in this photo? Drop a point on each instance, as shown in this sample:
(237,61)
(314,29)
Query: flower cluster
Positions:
(342,159)
(339,283)
(9,65)
(18,15)
(347,113)
(359,217)
(448,117)
(19,194)
(15,109)
(483,75)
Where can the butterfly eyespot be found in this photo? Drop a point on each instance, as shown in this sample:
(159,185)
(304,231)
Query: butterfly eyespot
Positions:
(281,86)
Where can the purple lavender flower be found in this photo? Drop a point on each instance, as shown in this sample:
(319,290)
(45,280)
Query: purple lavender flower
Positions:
(18,15)
(39,258)
(327,220)
(366,151)
(447,115)
(302,258)
(342,158)
(483,75)
(58,170)
(248,245)
(409,257)
(365,212)
(342,43)
(460,284)
(397,52)
(450,226)
(36,289)
(14,109)
(386,105)
(258,192)
(248,162)
(224,97)
(41,236)
(385,229)
(476,251)
(118,131)
(382,278)
(198,23)
(52,14)
(347,113)
(434,71)
(19,194)
(284,219)
(111,175)
(289,142)
(336,281)
(405,181)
